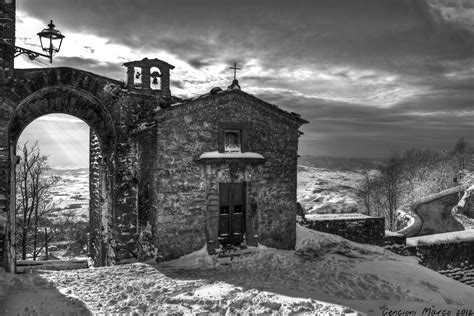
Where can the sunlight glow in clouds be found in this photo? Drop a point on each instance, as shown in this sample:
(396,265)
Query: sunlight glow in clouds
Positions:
(366,73)
(63,138)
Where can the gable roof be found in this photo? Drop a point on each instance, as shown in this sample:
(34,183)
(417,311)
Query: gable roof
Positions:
(230,94)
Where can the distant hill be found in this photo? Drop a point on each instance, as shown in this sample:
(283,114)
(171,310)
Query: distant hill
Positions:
(60,172)
(340,163)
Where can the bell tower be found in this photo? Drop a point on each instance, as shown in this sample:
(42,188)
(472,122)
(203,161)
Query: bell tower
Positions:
(141,79)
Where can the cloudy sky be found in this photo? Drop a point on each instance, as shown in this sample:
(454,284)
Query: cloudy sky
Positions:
(371,76)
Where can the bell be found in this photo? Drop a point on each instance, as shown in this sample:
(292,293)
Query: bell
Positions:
(155,80)
(137,75)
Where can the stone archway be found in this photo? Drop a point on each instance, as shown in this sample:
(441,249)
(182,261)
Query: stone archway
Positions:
(87,107)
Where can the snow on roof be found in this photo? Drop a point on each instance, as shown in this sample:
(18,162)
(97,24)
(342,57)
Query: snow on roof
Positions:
(320,217)
(392,234)
(216,154)
(463,235)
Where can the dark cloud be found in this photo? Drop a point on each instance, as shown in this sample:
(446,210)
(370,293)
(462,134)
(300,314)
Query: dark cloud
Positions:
(199,63)
(177,84)
(337,31)
(346,129)
(423,44)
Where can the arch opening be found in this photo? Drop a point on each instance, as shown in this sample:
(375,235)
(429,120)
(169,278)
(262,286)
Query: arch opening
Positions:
(81,105)
(52,185)
(155,75)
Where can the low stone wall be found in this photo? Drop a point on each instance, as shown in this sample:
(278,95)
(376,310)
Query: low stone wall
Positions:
(444,256)
(454,260)
(370,230)
(395,240)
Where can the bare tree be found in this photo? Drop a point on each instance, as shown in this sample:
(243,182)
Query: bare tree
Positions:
(34,197)
(392,181)
(381,193)
(372,195)
(462,155)
(460,152)
(417,163)
(365,191)
(425,172)
(403,179)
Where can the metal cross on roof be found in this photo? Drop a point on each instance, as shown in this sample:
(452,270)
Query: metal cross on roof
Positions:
(235,69)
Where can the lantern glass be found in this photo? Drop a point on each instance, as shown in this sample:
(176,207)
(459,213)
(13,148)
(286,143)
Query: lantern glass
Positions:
(51,39)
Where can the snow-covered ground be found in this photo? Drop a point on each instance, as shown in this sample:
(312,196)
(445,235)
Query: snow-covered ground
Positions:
(325,272)
(325,191)
(72,191)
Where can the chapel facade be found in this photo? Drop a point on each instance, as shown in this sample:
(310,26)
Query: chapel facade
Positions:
(217,170)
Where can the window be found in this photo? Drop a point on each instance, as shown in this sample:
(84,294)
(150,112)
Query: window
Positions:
(233,137)
(232,140)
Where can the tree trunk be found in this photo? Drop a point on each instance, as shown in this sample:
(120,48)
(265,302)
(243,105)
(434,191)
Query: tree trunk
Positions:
(35,238)
(46,241)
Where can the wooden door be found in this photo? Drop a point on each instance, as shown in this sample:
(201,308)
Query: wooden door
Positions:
(231,213)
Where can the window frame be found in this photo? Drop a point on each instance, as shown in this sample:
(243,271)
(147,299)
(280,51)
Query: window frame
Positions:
(243,127)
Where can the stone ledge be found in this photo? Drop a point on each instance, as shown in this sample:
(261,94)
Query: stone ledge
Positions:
(217,157)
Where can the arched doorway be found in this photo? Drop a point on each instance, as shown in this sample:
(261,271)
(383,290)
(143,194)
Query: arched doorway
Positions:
(52,179)
(85,106)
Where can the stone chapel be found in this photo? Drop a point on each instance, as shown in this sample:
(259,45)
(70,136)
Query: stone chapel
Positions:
(167,176)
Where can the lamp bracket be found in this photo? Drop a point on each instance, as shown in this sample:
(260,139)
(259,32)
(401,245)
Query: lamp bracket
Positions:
(20,50)
(31,54)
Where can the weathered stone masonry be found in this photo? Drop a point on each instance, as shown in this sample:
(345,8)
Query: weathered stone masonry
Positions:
(7,34)
(152,195)
(186,196)
(370,230)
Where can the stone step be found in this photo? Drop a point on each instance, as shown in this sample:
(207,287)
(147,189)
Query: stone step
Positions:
(24,266)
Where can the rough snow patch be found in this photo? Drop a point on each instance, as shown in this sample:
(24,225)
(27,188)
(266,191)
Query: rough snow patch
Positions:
(198,258)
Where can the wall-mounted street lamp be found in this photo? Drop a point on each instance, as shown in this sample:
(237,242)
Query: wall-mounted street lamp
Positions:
(51,40)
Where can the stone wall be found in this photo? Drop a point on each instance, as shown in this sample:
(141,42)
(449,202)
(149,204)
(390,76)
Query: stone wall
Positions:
(187,188)
(147,212)
(31,93)
(7,34)
(96,250)
(362,230)
(455,259)
(444,255)
(150,194)
(395,240)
